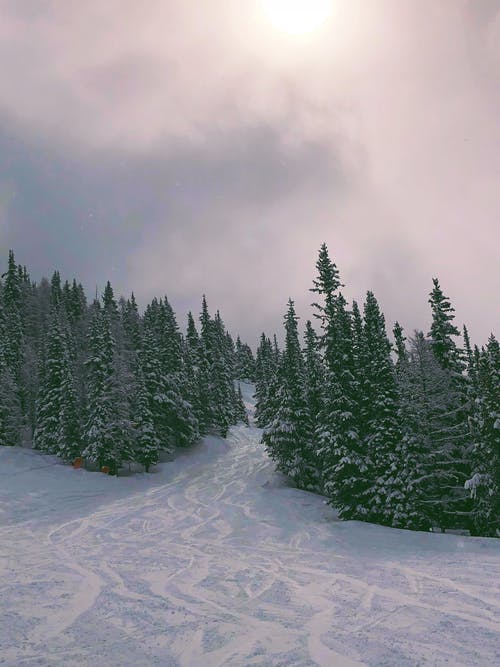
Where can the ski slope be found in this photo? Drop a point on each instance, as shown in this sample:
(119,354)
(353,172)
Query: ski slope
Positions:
(214,560)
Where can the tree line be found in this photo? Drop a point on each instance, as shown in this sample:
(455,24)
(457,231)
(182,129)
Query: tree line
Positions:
(103,382)
(405,435)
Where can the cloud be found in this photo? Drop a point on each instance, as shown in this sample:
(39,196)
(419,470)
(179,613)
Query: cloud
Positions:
(190,147)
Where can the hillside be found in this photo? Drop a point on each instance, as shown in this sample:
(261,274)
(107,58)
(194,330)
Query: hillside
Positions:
(214,560)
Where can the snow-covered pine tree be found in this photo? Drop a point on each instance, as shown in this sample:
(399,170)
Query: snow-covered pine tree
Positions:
(432,428)
(156,387)
(484,483)
(48,399)
(192,336)
(407,500)
(191,349)
(400,347)
(229,349)
(57,422)
(241,414)
(147,443)
(218,397)
(164,372)
(131,323)
(222,392)
(341,449)
(262,377)
(443,330)
(288,437)
(450,358)
(244,362)
(267,381)
(77,303)
(203,384)
(468,355)
(13,307)
(182,420)
(56,293)
(104,441)
(314,382)
(10,406)
(379,414)
(109,302)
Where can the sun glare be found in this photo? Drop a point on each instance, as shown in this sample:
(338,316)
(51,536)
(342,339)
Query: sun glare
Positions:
(297,17)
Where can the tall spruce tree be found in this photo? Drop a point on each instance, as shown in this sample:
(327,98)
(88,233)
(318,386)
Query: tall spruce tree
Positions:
(432,430)
(147,443)
(414,372)
(288,438)
(267,381)
(244,361)
(10,406)
(57,423)
(241,414)
(484,484)
(314,381)
(442,334)
(102,431)
(379,408)
(443,330)
(342,451)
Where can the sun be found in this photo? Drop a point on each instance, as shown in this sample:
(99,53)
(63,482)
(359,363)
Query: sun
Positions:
(297,17)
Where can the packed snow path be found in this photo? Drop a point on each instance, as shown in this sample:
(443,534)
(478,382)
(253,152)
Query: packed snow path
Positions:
(213,560)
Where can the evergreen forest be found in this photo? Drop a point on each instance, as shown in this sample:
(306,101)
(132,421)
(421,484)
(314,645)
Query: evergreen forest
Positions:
(106,384)
(404,433)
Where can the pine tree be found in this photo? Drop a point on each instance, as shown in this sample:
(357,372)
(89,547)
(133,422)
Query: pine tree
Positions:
(484,484)
(162,364)
(181,419)
(314,381)
(379,414)
(131,323)
(266,381)
(102,432)
(156,389)
(400,347)
(77,304)
(223,396)
(218,398)
(244,362)
(191,350)
(432,429)
(109,302)
(414,373)
(326,285)
(10,407)
(450,358)
(192,336)
(12,303)
(443,330)
(147,444)
(56,294)
(288,437)
(468,355)
(341,449)
(57,421)
(241,414)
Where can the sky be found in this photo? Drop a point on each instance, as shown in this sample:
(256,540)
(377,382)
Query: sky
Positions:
(181,148)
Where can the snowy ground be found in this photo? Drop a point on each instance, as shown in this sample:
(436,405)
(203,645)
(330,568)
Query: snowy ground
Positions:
(213,560)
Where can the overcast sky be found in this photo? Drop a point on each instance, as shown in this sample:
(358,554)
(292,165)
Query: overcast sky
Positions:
(187,147)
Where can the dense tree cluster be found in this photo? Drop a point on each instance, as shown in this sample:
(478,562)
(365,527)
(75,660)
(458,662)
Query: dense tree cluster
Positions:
(406,435)
(103,382)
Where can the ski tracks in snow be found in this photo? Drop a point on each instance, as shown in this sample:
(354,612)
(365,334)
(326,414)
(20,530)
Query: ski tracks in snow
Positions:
(224,565)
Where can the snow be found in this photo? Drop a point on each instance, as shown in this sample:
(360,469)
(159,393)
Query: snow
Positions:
(214,560)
